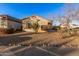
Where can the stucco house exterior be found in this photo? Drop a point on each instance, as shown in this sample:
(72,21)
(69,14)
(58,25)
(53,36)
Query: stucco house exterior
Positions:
(26,22)
(7,22)
(69,25)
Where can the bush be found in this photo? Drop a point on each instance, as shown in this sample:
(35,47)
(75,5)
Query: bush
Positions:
(2,31)
(56,28)
(9,31)
(17,30)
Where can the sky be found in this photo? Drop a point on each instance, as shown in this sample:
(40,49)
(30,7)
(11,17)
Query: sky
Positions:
(22,10)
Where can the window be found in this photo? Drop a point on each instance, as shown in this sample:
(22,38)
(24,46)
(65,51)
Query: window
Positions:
(29,25)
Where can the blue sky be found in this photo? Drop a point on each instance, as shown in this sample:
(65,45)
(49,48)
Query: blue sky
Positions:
(21,10)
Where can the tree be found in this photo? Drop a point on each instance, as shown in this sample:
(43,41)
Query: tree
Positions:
(71,14)
(35,26)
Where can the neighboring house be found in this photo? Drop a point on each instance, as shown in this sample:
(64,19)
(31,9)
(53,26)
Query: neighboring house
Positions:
(66,24)
(74,26)
(70,25)
(7,22)
(29,21)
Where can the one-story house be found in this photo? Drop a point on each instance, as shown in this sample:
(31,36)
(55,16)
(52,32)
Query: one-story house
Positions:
(29,21)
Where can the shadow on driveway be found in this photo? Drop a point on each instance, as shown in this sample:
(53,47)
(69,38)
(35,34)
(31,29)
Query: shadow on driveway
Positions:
(14,39)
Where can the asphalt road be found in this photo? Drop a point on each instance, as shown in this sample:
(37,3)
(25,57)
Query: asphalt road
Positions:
(26,51)
(39,51)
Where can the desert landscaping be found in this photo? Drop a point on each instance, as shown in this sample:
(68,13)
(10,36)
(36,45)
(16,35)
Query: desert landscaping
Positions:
(35,31)
(37,36)
(39,44)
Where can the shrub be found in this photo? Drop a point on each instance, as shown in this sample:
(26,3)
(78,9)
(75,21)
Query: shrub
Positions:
(9,31)
(2,31)
(56,28)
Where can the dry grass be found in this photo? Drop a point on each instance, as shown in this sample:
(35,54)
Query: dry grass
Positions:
(40,39)
(54,38)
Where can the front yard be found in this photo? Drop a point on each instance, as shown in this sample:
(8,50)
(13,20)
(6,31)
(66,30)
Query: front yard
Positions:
(47,42)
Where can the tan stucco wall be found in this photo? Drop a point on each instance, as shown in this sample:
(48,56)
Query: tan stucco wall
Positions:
(41,22)
(5,24)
